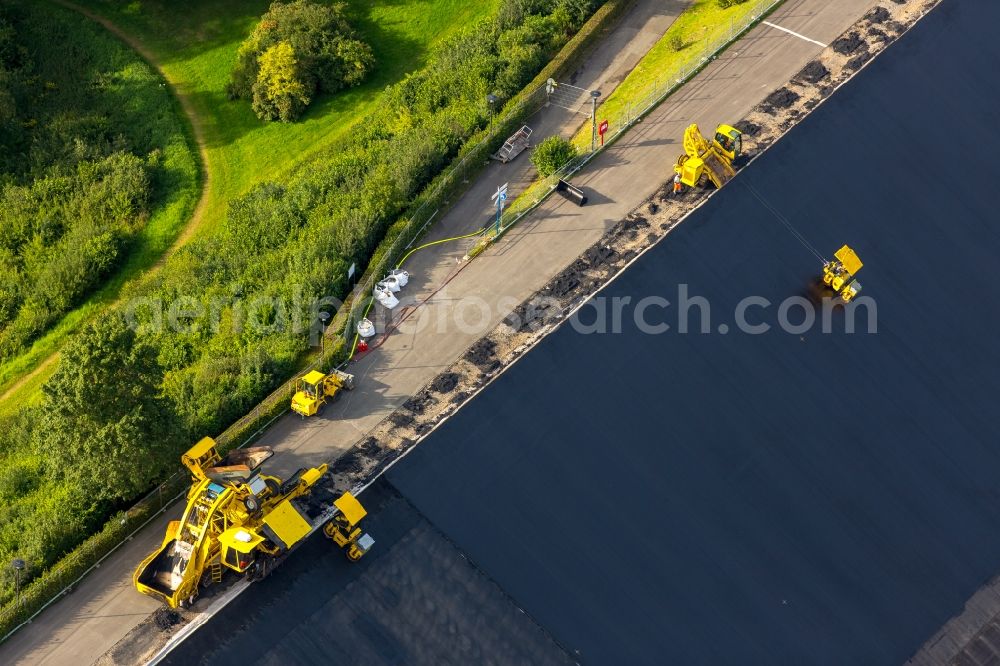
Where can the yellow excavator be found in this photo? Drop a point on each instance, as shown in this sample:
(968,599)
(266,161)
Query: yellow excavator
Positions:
(314,390)
(236,519)
(713,161)
(839,273)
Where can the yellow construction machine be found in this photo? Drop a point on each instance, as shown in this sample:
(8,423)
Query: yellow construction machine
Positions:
(344,530)
(713,161)
(314,390)
(839,273)
(236,519)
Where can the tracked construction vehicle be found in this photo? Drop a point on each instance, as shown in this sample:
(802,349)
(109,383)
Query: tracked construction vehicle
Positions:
(705,161)
(238,520)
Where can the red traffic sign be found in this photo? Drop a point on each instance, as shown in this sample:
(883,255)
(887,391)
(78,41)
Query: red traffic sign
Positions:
(603,127)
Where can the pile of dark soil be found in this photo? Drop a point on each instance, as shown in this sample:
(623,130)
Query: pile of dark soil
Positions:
(858,60)
(878,35)
(782,98)
(445,382)
(565,282)
(878,15)
(418,403)
(814,72)
(524,316)
(369,445)
(748,128)
(848,44)
(349,463)
(599,254)
(164,618)
(482,354)
(402,418)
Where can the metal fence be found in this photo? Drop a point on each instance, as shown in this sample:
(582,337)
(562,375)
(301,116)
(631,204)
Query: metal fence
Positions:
(61,578)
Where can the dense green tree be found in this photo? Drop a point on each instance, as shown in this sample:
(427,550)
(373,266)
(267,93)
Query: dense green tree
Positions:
(298,50)
(104,426)
(279,92)
(551,154)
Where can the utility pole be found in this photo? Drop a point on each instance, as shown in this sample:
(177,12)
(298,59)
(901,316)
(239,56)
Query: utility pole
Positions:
(594,94)
(324,317)
(491,100)
(19,566)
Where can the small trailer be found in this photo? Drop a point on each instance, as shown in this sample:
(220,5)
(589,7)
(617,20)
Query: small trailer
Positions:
(518,142)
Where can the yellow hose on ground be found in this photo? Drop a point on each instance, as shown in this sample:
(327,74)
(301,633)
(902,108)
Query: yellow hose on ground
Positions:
(371,301)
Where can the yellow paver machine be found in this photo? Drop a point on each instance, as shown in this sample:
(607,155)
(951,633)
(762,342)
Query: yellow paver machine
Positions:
(239,520)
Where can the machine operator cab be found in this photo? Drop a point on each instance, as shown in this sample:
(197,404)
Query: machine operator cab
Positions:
(729,141)
(312,384)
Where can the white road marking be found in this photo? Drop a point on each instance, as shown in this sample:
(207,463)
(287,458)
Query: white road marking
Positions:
(792,32)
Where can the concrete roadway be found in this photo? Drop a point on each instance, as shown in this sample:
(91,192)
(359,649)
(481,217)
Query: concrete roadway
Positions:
(104,608)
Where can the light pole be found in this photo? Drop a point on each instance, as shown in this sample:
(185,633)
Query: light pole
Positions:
(492,100)
(324,317)
(18,566)
(594,94)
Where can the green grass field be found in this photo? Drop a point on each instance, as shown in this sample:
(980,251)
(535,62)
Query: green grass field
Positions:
(194,43)
(143,95)
(698,27)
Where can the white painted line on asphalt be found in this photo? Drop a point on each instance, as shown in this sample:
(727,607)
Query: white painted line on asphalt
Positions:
(792,32)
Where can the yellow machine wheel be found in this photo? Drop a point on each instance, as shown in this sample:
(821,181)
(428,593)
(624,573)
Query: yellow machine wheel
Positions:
(329,530)
(827,277)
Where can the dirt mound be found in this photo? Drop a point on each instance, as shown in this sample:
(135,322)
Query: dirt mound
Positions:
(878,15)
(565,282)
(814,72)
(878,35)
(599,255)
(349,463)
(445,382)
(747,127)
(164,618)
(858,60)
(482,353)
(418,403)
(848,44)
(782,98)
(369,445)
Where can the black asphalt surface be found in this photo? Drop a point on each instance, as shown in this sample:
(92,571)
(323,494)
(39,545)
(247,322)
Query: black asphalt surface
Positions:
(781,498)
(414,600)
